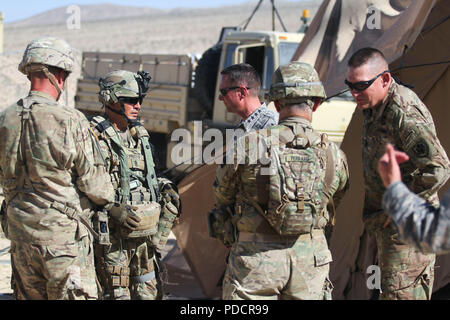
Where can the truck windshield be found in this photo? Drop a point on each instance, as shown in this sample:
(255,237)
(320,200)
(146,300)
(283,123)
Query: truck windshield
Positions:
(286,50)
(260,57)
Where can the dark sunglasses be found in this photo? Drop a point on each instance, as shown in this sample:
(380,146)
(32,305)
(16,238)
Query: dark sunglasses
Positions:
(363,85)
(132,101)
(224,91)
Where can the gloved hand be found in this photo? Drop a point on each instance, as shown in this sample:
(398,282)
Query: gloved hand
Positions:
(170,194)
(124,215)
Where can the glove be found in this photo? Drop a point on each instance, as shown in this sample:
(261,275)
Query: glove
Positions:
(220,225)
(124,215)
(169,192)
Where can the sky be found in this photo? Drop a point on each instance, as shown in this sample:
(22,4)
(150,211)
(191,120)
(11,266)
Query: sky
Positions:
(21,9)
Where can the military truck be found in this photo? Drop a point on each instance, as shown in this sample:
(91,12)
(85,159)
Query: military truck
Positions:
(185,90)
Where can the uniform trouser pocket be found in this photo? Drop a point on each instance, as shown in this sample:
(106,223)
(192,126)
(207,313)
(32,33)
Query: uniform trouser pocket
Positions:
(406,272)
(54,272)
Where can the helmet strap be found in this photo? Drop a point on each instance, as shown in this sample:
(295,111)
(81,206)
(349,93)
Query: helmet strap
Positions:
(52,79)
(130,122)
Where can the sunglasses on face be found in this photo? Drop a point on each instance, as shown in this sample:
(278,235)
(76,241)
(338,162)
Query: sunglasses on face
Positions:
(363,85)
(224,91)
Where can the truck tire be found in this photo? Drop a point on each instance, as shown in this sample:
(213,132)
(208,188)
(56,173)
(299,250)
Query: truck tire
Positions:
(206,78)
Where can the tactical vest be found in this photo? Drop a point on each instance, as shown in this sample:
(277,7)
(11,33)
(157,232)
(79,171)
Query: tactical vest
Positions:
(132,172)
(302,170)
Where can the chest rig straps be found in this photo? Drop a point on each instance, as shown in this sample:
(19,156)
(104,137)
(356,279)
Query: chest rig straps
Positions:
(150,177)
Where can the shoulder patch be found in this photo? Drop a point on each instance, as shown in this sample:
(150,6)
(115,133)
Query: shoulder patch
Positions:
(421,149)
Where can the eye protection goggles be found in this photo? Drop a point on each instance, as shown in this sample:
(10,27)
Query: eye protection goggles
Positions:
(363,85)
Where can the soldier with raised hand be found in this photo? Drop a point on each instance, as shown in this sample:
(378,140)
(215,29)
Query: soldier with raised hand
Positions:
(239,88)
(52,177)
(146,207)
(418,222)
(280,205)
(394,114)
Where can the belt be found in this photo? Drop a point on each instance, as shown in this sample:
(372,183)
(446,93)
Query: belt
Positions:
(264,237)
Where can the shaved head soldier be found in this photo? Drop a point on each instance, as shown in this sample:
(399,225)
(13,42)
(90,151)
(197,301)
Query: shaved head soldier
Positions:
(394,114)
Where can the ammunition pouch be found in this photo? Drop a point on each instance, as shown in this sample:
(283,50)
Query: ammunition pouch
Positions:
(146,216)
(220,225)
(119,276)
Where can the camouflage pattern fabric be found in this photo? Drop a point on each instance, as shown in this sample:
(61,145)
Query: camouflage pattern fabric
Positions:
(48,51)
(240,186)
(261,118)
(418,222)
(123,84)
(403,120)
(65,272)
(284,269)
(296,82)
(126,269)
(118,83)
(45,159)
(171,208)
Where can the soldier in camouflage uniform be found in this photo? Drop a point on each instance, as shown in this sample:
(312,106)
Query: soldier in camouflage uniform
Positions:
(393,113)
(290,259)
(418,222)
(239,88)
(145,206)
(52,177)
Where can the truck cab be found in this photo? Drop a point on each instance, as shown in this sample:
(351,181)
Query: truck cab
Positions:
(266,51)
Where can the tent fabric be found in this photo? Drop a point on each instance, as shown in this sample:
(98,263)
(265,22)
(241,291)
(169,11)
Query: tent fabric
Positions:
(205,256)
(338,29)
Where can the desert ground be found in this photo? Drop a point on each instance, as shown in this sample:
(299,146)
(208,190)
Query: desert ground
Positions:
(179,31)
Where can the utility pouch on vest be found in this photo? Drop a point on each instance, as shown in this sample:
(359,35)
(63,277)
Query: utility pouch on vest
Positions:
(101,226)
(149,216)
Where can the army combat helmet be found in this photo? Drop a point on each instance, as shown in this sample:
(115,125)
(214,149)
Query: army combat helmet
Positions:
(296,82)
(47,51)
(121,86)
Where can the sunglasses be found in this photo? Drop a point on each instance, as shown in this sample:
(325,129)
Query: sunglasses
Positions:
(132,101)
(224,91)
(363,85)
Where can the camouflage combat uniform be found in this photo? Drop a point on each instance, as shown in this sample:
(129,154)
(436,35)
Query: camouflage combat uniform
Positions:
(52,175)
(126,268)
(403,120)
(261,118)
(264,264)
(419,222)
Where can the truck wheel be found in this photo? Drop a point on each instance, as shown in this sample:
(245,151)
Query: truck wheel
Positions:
(206,78)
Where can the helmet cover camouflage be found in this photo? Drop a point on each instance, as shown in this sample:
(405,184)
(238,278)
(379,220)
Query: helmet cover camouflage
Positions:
(123,84)
(294,82)
(48,51)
